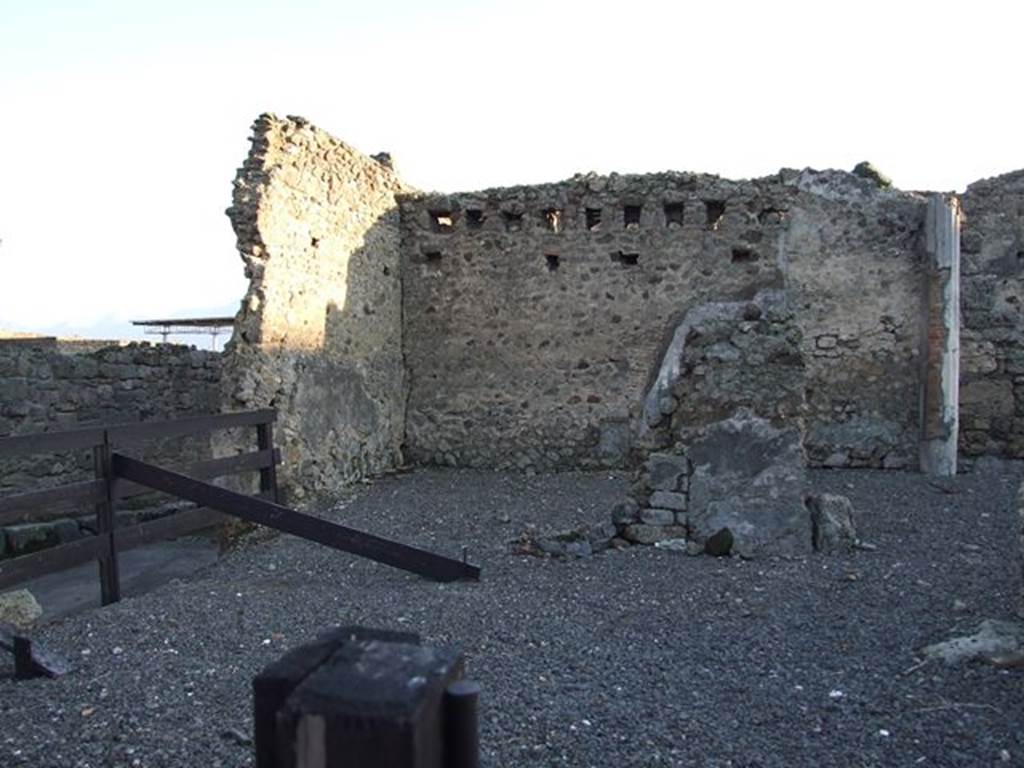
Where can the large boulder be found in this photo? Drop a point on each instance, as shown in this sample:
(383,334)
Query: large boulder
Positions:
(749,476)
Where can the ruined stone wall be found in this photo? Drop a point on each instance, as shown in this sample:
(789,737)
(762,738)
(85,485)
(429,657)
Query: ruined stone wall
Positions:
(726,450)
(992,300)
(534,316)
(319,333)
(854,263)
(45,389)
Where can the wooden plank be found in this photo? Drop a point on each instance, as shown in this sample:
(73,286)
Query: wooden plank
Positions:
(19,569)
(45,442)
(296,523)
(149,430)
(172,526)
(206,470)
(49,503)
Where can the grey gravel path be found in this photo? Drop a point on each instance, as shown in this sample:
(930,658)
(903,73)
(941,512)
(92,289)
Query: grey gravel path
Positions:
(636,658)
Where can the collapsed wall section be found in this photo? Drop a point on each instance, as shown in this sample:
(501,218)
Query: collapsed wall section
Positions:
(992,336)
(535,316)
(319,332)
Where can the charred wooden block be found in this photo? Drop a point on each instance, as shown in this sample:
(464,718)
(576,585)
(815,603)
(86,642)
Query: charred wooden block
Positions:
(357,697)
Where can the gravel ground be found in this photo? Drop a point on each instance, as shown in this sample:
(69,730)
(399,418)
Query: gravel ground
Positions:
(643,657)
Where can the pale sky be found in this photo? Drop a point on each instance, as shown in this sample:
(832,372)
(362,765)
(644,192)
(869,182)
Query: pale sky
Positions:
(122,122)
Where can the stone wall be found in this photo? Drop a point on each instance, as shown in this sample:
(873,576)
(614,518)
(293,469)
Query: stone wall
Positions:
(46,388)
(319,332)
(535,316)
(992,337)
(856,277)
(522,327)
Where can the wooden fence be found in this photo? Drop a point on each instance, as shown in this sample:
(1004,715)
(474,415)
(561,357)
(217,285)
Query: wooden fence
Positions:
(118,476)
(107,488)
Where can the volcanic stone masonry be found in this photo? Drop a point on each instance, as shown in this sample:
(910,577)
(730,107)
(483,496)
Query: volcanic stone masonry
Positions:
(723,434)
(523,327)
(319,333)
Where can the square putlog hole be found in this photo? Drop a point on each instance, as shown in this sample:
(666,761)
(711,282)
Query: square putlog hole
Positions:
(553,219)
(715,210)
(442,221)
(513,221)
(673,215)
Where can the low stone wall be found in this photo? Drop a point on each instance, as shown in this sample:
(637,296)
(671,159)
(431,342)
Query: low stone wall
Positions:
(44,388)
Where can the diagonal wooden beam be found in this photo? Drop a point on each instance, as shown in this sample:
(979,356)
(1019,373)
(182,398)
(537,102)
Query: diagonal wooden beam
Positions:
(288,520)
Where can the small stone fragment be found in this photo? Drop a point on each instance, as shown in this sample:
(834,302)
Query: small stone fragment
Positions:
(867,170)
(676,545)
(994,641)
(719,544)
(832,526)
(20,608)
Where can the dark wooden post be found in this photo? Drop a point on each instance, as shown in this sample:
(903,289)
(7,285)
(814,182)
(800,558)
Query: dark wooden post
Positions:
(461,722)
(268,475)
(110,583)
(23,667)
(367,698)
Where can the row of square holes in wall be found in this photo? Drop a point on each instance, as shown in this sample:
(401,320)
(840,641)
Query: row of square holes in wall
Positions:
(553,219)
(740,255)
